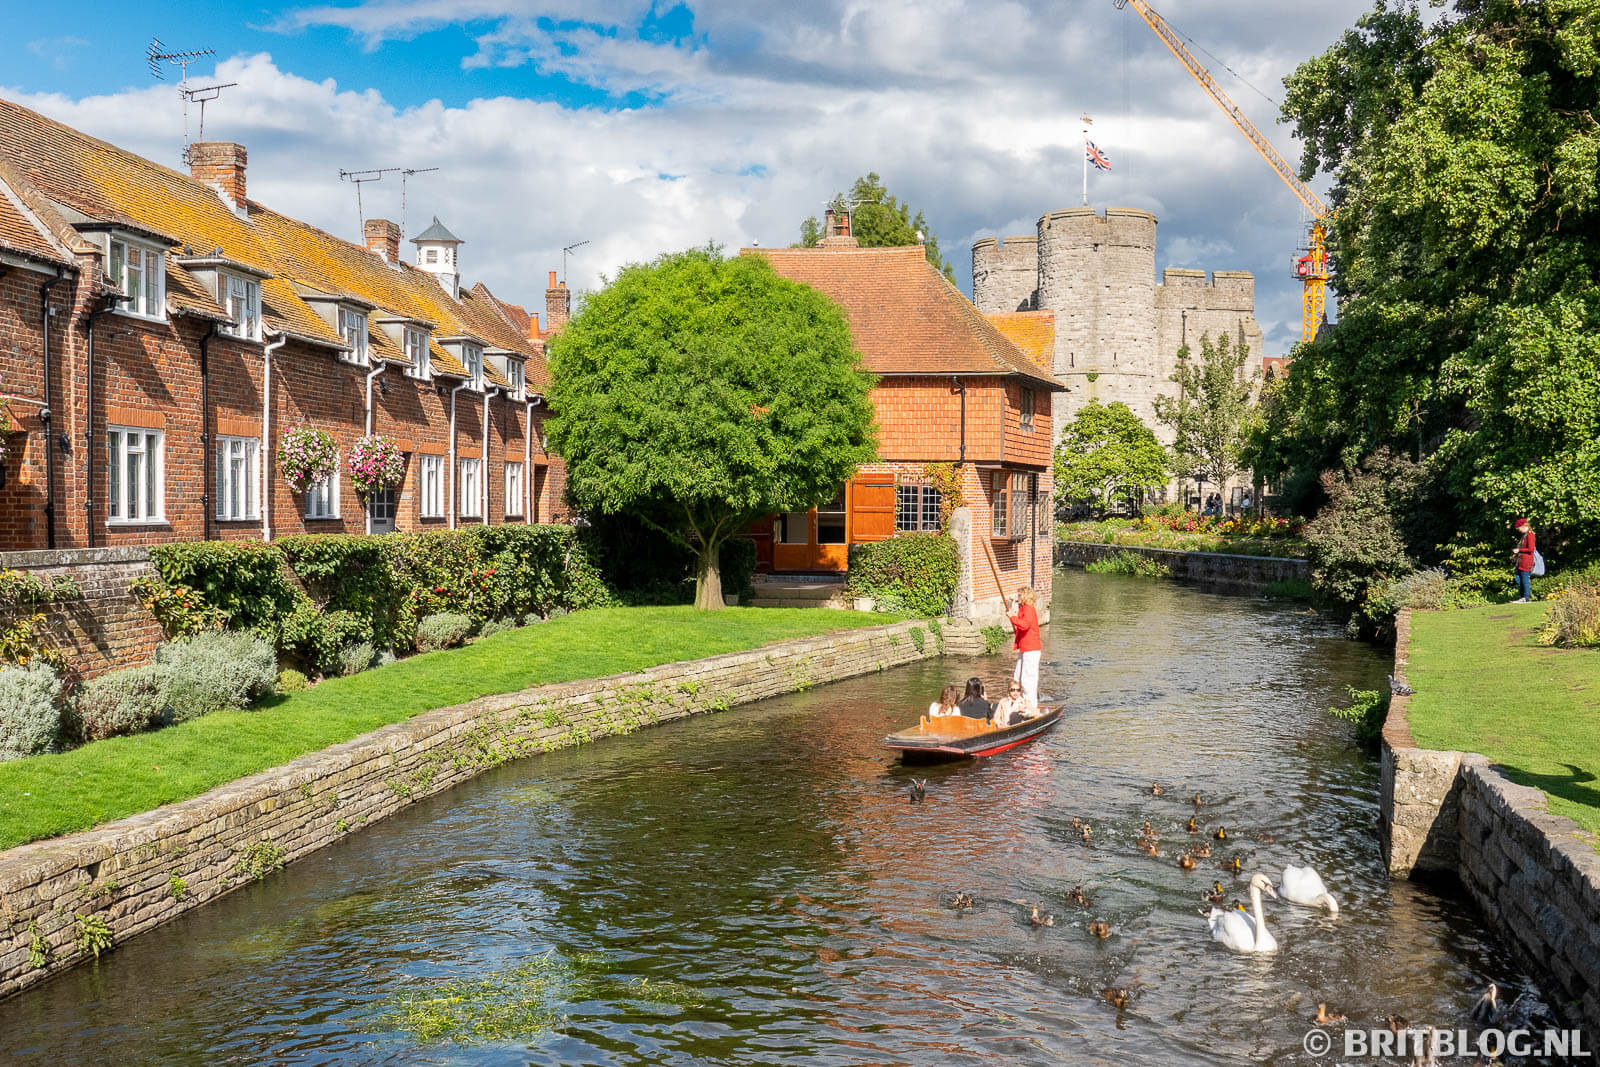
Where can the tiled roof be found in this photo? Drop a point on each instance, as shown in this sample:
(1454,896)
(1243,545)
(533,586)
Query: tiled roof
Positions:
(22,234)
(905,316)
(1033,332)
(107,184)
(437,232)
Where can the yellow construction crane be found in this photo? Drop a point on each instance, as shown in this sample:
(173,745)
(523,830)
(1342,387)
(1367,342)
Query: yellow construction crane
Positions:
(1312,268)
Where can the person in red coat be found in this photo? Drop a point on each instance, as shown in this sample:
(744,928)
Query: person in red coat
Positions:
(1522,558)
(1025,625)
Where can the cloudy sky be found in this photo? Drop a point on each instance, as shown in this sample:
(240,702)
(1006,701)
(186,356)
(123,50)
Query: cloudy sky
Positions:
(643,126)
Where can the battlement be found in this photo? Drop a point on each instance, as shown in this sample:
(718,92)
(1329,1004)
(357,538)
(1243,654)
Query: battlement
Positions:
(1118,227)
(1005,275)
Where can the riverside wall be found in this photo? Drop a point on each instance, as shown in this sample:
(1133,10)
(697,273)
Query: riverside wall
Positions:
(1222,571)
(59,898)
(1533,875)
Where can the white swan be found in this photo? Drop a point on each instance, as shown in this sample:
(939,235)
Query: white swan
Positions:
(1245,932)
(1302,885)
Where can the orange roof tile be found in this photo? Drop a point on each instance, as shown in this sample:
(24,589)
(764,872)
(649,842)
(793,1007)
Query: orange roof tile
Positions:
(905,316)
(22,234)
(1033,332)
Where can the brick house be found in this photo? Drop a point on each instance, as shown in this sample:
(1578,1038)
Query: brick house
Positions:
(160,331)
(952,389)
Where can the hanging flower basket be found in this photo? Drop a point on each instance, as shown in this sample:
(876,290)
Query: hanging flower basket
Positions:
(306,456)
(375,464)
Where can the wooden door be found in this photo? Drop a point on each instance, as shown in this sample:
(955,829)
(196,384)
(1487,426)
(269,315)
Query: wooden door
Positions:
(815,540)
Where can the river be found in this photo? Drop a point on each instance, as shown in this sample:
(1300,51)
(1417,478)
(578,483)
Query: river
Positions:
(757,887)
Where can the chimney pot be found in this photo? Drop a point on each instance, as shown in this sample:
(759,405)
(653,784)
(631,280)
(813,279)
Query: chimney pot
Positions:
(383,239)
(552,279)
(220,164)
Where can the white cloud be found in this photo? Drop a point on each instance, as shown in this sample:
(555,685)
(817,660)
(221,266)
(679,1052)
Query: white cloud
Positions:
(968,110)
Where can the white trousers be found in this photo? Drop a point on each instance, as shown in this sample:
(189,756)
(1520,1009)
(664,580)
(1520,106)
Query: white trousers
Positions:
(1027,673)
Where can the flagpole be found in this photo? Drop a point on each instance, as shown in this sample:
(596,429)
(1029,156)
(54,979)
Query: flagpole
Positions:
(1087,122)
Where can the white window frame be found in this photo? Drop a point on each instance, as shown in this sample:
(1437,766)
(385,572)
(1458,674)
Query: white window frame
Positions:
(322,498)
(515,507)
(146,297)
(238,479)
(414,343)
(241,298)
(1026,408)
(353,331)
(469,504)
(149,506)
(472,359)
(430,498)
(518,379)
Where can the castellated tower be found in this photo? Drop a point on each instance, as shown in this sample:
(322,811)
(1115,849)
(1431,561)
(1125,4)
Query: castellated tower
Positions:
(1117,331)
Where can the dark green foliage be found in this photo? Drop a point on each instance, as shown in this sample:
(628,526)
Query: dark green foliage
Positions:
(878,220)
(1133,564)
(349,572)
(912,573)
(314,639)
(738,565)
(1366,711)
(242,579)
(1211,416)
(1356,544)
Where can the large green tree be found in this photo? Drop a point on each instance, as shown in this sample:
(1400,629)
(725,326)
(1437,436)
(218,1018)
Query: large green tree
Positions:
(698,392)
(1211,416)
(1465,154)
(1106,453)
(878,220)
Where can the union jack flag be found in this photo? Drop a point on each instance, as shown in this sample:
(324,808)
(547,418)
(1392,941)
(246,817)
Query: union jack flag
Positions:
(1100,160)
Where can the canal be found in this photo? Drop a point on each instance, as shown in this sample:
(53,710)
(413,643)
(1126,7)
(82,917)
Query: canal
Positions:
(756,886)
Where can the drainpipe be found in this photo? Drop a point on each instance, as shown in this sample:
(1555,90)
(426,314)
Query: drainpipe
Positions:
(266,434)
(371,423)
(961,387)
(88,430)
(483,464)
(206,458)
(454,475)
(1033,530)
(527,458)
(46,415)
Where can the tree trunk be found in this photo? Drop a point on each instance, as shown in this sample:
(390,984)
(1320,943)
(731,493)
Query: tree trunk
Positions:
(708,579)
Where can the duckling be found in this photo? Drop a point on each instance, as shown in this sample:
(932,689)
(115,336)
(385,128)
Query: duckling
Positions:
(1397,1023)
(1187,862)
(1192,826)
(1040,919)
(1216,894)
(1234,865)
(1118,996)
(1078,897)
(1198,802)
(1150,848)
(1203,851)
(1155,789)
(1324,1016)
(1100,929)
(1266,838)
(961,901)
(1075,824)
(1488,1006)
(1148,831)
(919,789)
(1221,834)
(1087,833)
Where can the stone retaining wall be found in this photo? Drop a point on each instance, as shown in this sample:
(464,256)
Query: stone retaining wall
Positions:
(1222,571)
(136,873)
(1534,876)
(106,627)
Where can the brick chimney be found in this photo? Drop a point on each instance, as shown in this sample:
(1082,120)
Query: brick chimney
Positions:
(836,230)
(557,306)
(220,164)
(383,239)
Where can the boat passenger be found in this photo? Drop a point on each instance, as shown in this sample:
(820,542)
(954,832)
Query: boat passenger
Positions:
(973,705)
(1014,707)
(949,702)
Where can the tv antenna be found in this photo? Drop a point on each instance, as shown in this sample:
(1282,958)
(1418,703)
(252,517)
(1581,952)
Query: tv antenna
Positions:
(567,251)
(155,57)
(199,96)
(404,174)
(358,178)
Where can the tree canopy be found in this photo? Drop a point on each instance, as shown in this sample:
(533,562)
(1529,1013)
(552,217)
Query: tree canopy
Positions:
(1465,153)
(1106,453)
(1211,415)
(699,392)
(878,220)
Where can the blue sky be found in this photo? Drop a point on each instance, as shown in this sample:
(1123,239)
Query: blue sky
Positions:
(645,126)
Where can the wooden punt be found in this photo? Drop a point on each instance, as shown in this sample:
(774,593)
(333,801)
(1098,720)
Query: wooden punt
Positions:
(959,737)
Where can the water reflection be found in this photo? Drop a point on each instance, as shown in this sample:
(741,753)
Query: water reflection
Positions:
(769,859)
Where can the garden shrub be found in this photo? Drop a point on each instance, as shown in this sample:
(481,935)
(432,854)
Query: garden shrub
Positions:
(215,671)
(348,572)
(292,681)
(918,570)
(1420,591)
(353,659)
(1366,710)
(496,626)
(314,640)
(179,609)
(994,637)
(242,579)
(122,702)
(443,630)
(1131,563)
(30,709)
(1356,545)
(1573,617)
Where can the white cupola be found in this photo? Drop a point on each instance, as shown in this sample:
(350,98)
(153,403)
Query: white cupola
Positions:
(436,254)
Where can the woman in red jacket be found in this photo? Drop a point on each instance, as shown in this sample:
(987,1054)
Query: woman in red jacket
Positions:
(1523,555)
(1025,624)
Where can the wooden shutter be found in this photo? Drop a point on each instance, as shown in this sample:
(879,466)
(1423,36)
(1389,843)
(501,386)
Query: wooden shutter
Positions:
(872,505)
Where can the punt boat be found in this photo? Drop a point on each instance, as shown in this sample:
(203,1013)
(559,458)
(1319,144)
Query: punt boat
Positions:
(947,737)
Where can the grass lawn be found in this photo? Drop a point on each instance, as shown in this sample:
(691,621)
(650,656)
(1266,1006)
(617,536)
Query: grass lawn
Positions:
(44,796)
(1113,533)
(1484,686)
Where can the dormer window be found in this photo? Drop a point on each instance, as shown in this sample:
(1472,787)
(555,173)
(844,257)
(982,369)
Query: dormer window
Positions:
(472,359)
(514,376)
(415,344)
(242,298)
(139,271)
(353,329)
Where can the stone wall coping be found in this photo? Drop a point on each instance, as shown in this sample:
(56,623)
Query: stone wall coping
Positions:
(74,557)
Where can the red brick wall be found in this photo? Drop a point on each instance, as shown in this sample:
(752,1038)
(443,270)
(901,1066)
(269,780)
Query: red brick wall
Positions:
(106,627)
(920,419)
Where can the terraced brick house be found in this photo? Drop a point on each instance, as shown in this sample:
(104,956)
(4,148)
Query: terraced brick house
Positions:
(160,332)
(952,390)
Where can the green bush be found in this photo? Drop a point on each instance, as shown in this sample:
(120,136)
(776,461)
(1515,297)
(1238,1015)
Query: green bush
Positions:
(1573,617)
(918,571)
(349,572)
(443,630)
(496,626)
(315,640)
(1366,710)
(994,637)
(1288,589)
(1427,590)
(737,562)
(353,659)
(1357,546)
(1136,564)
(30,710)
(292,681)
(217,670)
(243,579)
(122,702)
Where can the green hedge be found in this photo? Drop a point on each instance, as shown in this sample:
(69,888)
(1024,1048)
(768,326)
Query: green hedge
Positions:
(912,573)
